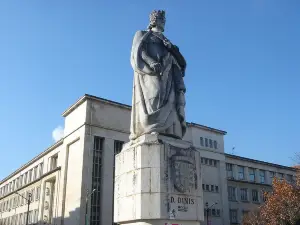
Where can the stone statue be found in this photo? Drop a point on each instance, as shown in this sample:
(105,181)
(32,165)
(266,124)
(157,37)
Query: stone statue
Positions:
(158,102)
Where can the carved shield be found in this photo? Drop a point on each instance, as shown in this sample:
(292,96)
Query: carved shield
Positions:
(183,173)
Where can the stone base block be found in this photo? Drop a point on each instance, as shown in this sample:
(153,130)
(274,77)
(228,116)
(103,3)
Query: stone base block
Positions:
(157,181)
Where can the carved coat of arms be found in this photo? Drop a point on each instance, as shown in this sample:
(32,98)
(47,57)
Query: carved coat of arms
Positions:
(184,171)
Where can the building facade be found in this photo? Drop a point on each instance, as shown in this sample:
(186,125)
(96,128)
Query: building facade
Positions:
(71,182)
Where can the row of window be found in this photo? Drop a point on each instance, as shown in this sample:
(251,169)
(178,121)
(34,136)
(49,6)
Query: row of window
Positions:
(209,162)
(20,219)
(26,178)
(208,143)
(252,174)
(212,212)
(211,188)
(20,200)
(244,194)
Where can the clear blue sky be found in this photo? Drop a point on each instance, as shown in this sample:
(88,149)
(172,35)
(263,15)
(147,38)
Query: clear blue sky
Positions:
(243,71)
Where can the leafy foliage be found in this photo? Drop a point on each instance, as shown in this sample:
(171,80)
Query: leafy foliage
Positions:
(282,206)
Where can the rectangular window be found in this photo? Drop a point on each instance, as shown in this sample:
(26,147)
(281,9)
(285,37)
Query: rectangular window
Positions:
(215,145)
(262,176)
(203,186)
(229,170)
(233,215)
(241,172)
(21,180)
(207,187)
(118,145)
(53,162)
(254,195)
(201,141)
(30,217)
(35,173)
(17,220)
(206,161)
(231,193)
(244,194)
(96,180)
(25,178)
(22,199)
(41,169)
(210,143)
(206,142)
(217,188)
(36,214)
(28,195)
(32,195)
(25,216)
(251,174)
(21,219)
(280,176)
(18,200)
(30,175)
(218,212)
(202,160)
(15,202)
(210,162)
(213,212)
(272,175)
(215,163)
(17,183)
(38,192)
(212,188)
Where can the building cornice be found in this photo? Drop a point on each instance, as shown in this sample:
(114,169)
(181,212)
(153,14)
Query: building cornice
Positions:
(207,128)
(95,98)
(259,162)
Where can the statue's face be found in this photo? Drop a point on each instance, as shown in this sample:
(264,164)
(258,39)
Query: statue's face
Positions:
(160,23)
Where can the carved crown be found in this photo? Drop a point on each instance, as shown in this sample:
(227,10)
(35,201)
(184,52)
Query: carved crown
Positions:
(157,14)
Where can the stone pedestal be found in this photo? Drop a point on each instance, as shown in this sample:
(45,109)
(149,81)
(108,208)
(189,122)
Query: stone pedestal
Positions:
(158,182)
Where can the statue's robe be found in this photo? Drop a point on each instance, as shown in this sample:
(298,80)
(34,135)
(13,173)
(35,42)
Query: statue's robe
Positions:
(158,99)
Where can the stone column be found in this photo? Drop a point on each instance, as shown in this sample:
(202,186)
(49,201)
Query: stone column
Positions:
(158,182)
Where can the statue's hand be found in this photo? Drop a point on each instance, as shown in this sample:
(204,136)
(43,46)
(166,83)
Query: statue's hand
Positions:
(156,67)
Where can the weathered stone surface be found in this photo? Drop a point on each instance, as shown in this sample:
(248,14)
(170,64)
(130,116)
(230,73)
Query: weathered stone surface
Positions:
(158,101)
(158,178)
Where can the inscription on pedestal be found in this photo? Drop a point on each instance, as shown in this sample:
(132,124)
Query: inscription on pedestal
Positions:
(183,197)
